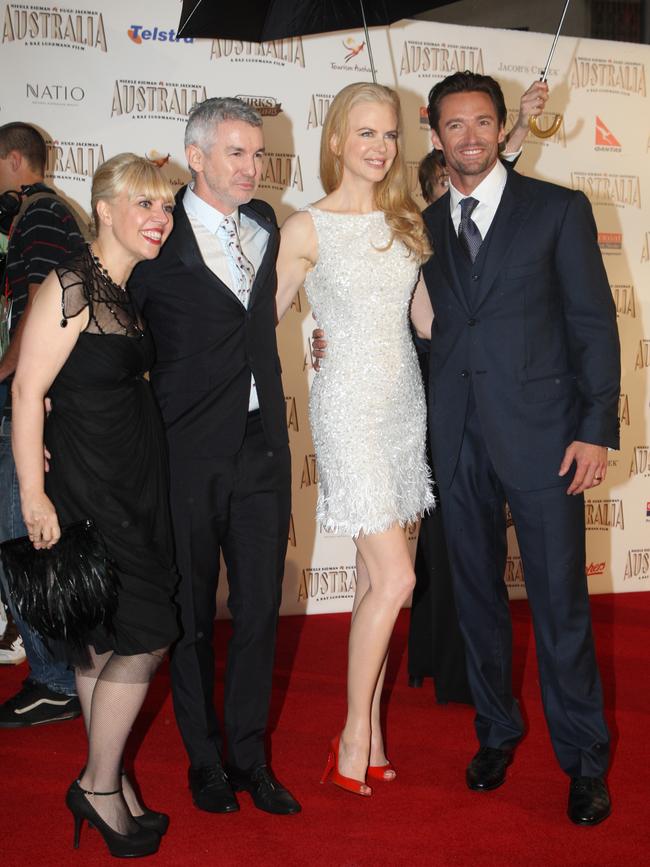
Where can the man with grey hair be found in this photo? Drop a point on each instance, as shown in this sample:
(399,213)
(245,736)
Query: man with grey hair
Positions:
(209,300)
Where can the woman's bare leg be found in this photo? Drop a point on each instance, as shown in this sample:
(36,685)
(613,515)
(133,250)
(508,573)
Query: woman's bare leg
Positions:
(390,582)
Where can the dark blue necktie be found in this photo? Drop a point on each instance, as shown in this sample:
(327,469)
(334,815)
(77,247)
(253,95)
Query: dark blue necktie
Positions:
(468,233)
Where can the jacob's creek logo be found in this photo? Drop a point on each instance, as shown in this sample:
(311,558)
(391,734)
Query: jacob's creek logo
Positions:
(319,105)
(69,28)
(281,171)
(605,140)
(163,100)
(292,414)
(637,564)
(642,358)
(139,33)
(54,94)
(604,515)
(645,248)
(278,52)
(424,117)
(326,584)
(595,569)
(597,75)
(610,242)
(267,106)
(426,58)
(514,574)
(309,474)
(647,511)
(624,410)
(73,160)
(624,299)
(640,465)
(602,188)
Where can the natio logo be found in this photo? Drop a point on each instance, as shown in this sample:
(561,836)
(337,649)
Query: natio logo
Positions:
(604,136)
(138,33)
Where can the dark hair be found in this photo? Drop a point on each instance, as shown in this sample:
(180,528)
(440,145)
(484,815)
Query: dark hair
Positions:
(428,170)
(465,82)
(26,139)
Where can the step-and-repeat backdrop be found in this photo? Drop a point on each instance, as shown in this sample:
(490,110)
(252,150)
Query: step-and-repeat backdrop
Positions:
(99,78)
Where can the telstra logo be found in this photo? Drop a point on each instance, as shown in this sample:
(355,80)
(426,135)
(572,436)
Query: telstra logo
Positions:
(138,33)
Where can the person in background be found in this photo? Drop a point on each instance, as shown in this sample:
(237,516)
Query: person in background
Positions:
(43,234)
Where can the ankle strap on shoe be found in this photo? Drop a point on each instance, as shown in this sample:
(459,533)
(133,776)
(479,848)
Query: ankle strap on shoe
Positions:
(88,792)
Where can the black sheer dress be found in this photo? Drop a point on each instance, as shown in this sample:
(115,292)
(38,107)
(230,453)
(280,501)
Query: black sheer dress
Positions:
(109,456)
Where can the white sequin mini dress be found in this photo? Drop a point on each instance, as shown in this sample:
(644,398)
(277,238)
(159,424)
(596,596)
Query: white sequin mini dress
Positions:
(367,407)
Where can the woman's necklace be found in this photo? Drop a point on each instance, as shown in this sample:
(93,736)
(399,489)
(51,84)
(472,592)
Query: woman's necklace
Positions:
(106,277)
(109,283)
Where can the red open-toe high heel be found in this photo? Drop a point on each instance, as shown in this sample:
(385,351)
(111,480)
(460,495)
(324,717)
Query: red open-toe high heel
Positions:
(332,771)
(376,772)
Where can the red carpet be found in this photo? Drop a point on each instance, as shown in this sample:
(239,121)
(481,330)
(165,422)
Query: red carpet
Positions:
(426,817)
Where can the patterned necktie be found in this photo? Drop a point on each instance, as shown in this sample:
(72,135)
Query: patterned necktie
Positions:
(244,270)
(468,233)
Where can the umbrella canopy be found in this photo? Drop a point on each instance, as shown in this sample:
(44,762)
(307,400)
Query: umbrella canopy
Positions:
(260,21)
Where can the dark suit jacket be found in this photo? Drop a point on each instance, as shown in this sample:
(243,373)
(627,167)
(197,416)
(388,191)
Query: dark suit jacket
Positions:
(207,343)
(539,345)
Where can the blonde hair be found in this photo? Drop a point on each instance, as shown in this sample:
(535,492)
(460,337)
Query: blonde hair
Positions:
(392,193)
(131,174)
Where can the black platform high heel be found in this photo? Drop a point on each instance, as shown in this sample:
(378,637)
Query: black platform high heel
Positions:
(142,842)
(151,819)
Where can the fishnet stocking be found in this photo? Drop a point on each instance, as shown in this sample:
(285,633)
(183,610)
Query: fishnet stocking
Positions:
(111,692)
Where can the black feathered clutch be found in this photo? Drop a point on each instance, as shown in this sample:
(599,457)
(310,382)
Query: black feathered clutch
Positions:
(66,591)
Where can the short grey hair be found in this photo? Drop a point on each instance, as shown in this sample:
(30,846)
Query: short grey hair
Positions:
(204,116)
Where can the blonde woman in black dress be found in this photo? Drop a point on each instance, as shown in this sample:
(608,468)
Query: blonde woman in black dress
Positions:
(85,347)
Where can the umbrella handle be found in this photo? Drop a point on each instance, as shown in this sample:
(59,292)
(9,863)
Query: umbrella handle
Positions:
(545,133)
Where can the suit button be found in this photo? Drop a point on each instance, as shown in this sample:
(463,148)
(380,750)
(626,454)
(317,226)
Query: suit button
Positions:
(471,322)
(475,276)
(464,373)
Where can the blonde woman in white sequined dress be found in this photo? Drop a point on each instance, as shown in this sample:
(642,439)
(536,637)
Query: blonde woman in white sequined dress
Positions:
(358,253)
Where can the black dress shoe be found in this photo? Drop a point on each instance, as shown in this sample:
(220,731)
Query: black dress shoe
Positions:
(487,770)
(211,790)
(267,792)
(589,800)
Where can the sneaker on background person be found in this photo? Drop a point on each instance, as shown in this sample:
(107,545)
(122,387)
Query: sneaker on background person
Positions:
(12,651)
(36,704)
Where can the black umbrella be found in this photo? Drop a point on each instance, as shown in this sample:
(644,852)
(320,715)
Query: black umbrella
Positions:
(264,20)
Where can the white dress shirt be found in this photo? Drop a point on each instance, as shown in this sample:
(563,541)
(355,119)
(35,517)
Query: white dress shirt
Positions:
(488,194)
(253,237)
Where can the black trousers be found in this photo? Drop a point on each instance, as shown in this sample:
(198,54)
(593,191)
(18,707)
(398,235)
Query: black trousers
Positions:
(238,505)
(551,535)
(435,643)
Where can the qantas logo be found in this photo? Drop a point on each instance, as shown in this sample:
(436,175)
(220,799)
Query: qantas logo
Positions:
(604,136)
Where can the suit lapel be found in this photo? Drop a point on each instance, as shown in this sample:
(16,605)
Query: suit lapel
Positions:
(437,221)
(188,251)
(507,223)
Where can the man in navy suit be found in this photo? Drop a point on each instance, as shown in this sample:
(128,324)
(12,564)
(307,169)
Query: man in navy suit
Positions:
(523,394)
